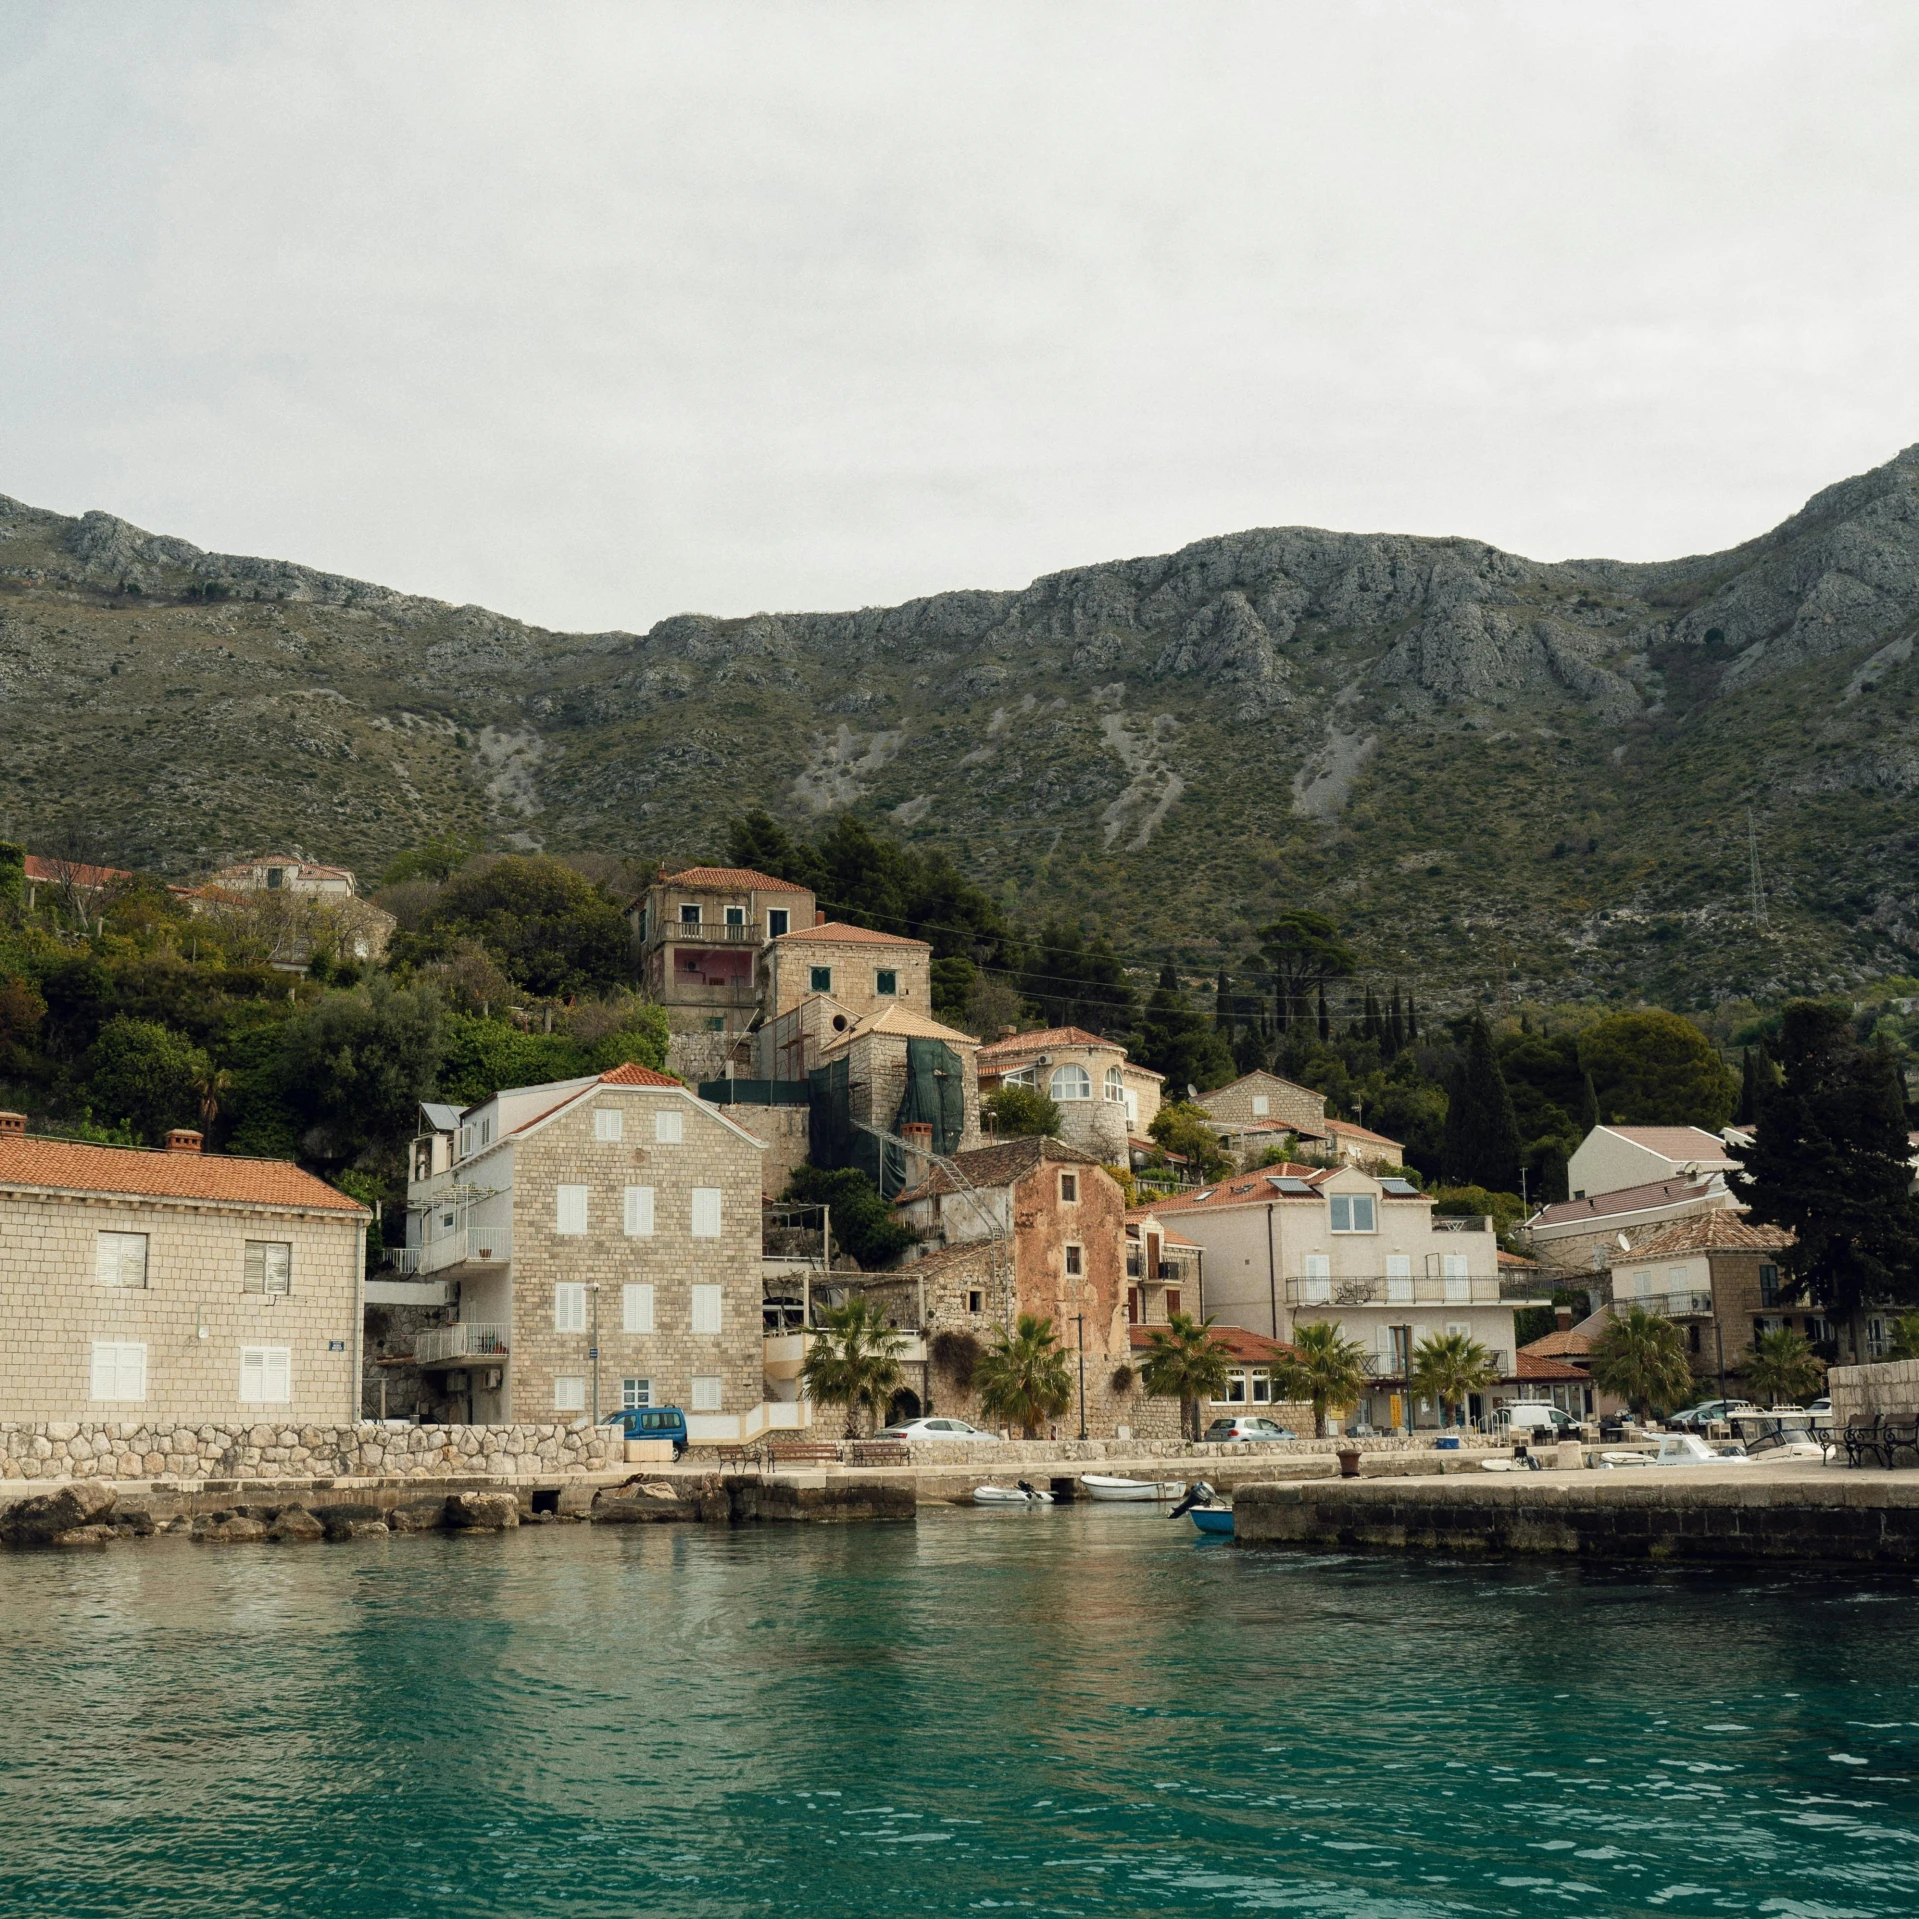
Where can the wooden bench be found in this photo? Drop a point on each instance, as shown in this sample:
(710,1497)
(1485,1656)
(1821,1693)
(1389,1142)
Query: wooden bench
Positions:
(739,1457)
(880,1452)
(1865,1439)
(1898,1436)
(801,1452)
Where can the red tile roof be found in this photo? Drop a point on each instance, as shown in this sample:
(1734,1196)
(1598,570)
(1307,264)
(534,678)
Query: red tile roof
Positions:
(631,1075)
(47,872)
(1717,1232)
(1345,1129)
(1001,1164)
(1248,1189)
(64,1165)
(1676,1142)
(1240,1344)
(838,933)
(1627,1199)
(731,879)
(1571,1344)
(1015,1044)
(1531,1366)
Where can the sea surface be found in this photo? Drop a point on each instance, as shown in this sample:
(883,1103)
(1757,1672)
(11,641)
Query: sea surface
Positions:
(1077,1711)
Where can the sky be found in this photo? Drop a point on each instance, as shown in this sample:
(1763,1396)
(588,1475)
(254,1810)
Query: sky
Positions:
(598,313)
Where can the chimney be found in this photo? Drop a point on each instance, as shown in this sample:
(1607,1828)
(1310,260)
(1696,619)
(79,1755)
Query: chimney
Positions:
(1563,1318)
(183,1139)
(819,916)
(12,1125)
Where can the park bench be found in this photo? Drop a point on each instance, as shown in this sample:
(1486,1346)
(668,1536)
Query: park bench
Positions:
(739,1457)
(880,1452)
(800,1452)
(1865,1440)
(1900,1436)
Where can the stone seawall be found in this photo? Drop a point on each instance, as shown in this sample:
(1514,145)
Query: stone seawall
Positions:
(1093,1452)
(1890,1386)
(1817,1516)
(267,1450)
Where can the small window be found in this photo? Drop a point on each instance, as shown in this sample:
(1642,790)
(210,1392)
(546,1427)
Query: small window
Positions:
(268,1267)
(119,1372)
(1172,1300)
(975,1301)
(706,1393)
(266,1375)
(569,1393)
(1262,1387)
(569,1307)
(636,1308)
(569,1210)
(777,921)
(1019,1076)
(1352,1212)
(1768,1285)
(1069,1188)
(822,979)
(1132,1305)
(609,1124)
(1075,1261)
(639,1212)
(1071,1082)
(886,982)
(635,1393)
(1236,1389)
(1452,1265)
(120,1259)
(669,1128)
(689,916)
(736,916)
(706,1309)
(1262,1105)
(706,1212)
(276,878)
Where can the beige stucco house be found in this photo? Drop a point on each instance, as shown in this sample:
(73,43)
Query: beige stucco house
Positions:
(1612,1158)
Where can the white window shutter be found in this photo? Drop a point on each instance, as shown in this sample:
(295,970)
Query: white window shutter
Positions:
(706,1212)
(279,1375)
(569,1207)
(706,1393)
(639,1212)
(636,1308)
(609,1123)
(706,1309)
(569,1307)
(669,1127)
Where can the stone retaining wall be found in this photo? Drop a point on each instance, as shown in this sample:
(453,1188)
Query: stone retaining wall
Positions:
(1891,1386)
(1043,1452)
(267,1451)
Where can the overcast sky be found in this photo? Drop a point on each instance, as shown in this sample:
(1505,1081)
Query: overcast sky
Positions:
(598,313)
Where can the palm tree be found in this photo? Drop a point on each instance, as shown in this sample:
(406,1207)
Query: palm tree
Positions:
(1185,1362)
(212,1087)
(1449,1367)
(852,1361)
(1025,1375)
(1324,1366)
(1782,1367)
(1642,1358)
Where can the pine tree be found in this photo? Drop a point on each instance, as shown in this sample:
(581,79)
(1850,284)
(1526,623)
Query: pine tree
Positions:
(1482,1135)
(1181,1042)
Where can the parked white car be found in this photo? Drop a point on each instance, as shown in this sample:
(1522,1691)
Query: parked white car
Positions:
(937,1429)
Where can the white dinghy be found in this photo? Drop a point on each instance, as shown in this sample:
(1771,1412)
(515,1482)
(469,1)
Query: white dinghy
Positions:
(1117,1486)
(1020,1495)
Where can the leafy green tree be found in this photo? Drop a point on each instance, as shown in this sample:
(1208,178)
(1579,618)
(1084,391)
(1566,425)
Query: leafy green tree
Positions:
(552,930)
(13,873)
(1830,1162)
(863,1223)
(1180,1127)
(1185,1362)
(1072,980)
(355,1065)
(23,1009)
(1024,1375)
(1178,1041)
(439,858)
(1304,951)
(1782,1367)
(1904,1343)
(852,1360)
(1451,1367)
(1482,1135)
(1324,1367)
(147,1075)
(1641,1359)
(1652,1068)
(1021,1112)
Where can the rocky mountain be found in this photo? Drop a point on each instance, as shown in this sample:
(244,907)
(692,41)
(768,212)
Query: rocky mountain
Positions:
(1496,773)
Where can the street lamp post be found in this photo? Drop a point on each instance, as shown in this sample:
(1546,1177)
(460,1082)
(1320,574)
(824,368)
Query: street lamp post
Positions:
(593,1353)
(1079,1319)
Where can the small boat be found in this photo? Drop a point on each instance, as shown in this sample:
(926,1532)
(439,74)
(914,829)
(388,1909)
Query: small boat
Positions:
(1110,1486)
(1214,1519)
(1609,1461)
(1024,1494)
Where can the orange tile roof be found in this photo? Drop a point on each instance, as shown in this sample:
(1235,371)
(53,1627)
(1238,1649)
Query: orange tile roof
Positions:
(1345,1129)
(1015,1044)
(632,1075)
(1570,1344)
(71,1166)
(729,878)
(1625,1199)
(1719,1232)
(1247,1189)
(47,872)
(1528,1365)
(838,933)
(1239,1343)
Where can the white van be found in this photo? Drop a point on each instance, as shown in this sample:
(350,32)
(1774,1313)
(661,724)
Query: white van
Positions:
(1535,1419)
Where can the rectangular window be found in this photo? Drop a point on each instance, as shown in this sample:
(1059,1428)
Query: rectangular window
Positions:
(1261,1105)
(1453,1265)
(1676,1281)
(266,1375)
(569,1210)
(268,1267)
(777,922)
(706,1212)
(1642,1285)
(609,1124)
(636,1309)
(706,1309)
(1262,1385)
(1132,1263)
(669,1128)
(1352,1212)
(635,1393)
(1132,1305)
(976,1302)
(119,1372)
(1075,1261)
(736,916)
(1399,1279)
(1235,1389)
(1769,1285)
(569,1393)
(1132,1107)
(639,1212)
(1172,1300)
(569,1307)
(886,982)
(822,979)
(121,1259)
(1069,1188)
(689,915)
(706,1393)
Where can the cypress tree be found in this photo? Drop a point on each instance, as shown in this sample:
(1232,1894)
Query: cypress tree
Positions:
(1223,1007)
(1748,1086)
(1412,1020)
(1395,1026)
(1482,1133)
(1325,1022)
(1369,1019)
(1588,1105)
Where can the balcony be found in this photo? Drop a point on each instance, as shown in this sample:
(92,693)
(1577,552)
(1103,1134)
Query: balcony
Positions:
(1421,1289)
(1670,1305)
(466,1246)
(711,933)
(456,1345)
(1388,1371)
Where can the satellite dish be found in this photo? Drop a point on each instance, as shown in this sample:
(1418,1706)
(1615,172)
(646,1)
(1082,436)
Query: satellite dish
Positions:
(1192,1091)
(1625,1245)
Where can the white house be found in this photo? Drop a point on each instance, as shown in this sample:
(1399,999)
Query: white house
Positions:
(1611,1158)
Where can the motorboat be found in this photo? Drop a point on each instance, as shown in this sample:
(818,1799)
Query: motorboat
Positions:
(1214,1519)
(1609,1461)
(1211,1514)
(1024,1494)
(1529,1464)
(1682,1449)
(1117,1486)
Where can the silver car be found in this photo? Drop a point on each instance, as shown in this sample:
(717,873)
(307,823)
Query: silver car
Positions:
(937,1429)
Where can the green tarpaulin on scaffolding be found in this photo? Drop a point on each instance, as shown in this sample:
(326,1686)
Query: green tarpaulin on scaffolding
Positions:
(935,1095)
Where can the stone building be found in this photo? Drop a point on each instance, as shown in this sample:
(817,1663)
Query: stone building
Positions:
(860,970)
(174,1286)
(285,873)
(619,1212)
(698,935)
(1581,1238)
(1105,1102)
(1264,1099)
(1164,1275)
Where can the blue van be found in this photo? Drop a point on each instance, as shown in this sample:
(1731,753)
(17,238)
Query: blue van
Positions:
(652,1422)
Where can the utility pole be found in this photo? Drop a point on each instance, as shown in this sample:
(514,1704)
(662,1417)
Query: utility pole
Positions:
(1079,1319)
(593,1352)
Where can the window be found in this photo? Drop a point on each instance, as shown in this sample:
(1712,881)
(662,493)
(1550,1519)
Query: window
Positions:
(777,922)
(609,1124)
(1069,1188)
(266,1375)
(276,878)
(736,916)
(636,1308)
(1262,1105)
(706,1309)
(1236,1389)
(119,1371)
(1172,1300)
(639,1212)
(569,1210)
(1877,1339)
(1075,1262)
(1132,1305)
(1693,1330)
(1019,1076)
(569,1307)
(689,916)
(706,1393)
(822,979)
(1132,1108)
(1353,1213)
(120,1259)
(1262,1385)
(886,982)
(1115,1086)
(268,1267)
(1071,1082)
(1133,1262)
(669,1128)
(635,1393)
(706,1212)
(569,1393)
(976,1301)
(1769,1285)
(1642,1285)
(1676,1281)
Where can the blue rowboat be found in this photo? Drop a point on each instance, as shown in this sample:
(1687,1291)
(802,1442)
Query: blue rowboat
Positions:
(1214,1519)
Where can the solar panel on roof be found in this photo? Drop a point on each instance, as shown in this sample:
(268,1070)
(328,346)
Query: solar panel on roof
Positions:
(1291,1187)
(1399,1188)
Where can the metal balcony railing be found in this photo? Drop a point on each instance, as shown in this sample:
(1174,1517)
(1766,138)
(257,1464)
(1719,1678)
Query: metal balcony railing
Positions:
(1395,1289)
(465,1246)
(711,933)
(471,1339)
(1671,1305)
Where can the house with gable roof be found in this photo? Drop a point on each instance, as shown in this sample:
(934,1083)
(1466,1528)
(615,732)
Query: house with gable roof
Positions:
(1106,1102)
(1611,1158)
(698,934)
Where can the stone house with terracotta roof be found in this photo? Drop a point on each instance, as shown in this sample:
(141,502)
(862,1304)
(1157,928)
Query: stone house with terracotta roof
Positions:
(698,935)
(1106,1103)
(1263,1100)
(174,1287)
(862,971)
(1579,1239)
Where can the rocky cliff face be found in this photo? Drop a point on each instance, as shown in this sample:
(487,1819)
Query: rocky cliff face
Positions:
(1491,769)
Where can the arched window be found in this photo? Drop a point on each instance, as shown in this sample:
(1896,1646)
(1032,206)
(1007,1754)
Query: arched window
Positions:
(1072,1082)
(1116,1086)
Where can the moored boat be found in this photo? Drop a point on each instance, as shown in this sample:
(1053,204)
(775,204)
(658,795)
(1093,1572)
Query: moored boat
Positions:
(1020,1495)
(1214,1519)
(1118,1486)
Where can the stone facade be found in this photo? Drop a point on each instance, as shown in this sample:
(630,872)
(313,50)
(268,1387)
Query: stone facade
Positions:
(1264,1099)
(704,971)
(1085,1076)
(1890,1386)
(851,965)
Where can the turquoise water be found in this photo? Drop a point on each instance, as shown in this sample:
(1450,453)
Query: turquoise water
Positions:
(1066,1712)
